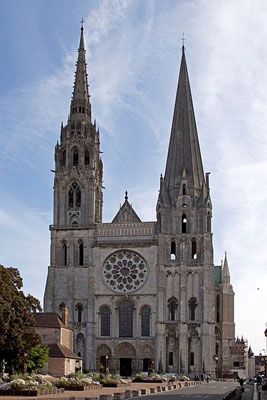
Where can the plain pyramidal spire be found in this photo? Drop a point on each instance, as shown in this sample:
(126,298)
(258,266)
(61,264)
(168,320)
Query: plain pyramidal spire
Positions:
(80,103)
(184,151)
(226,272)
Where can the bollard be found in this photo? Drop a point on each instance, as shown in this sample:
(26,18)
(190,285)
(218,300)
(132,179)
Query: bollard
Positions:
(118,396)
(105,397)
(127,394)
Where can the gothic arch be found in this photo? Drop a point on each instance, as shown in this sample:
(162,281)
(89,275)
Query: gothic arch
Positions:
(105,320)
(172,308)
(80,345)
(126,311)
(79,312)
(75,155)
(125,350)
(74,196)
(145,320)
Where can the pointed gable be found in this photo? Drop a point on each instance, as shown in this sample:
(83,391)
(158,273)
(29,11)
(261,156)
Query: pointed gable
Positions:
(126,213)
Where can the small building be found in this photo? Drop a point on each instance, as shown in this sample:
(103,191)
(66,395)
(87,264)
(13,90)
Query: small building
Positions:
(59,338)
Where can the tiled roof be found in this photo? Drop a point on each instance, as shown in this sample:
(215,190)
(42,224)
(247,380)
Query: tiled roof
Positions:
(60,351)
(49,320)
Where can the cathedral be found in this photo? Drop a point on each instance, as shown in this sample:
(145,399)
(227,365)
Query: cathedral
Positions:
(139,296)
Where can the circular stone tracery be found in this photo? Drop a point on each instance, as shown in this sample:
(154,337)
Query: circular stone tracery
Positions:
(125,271)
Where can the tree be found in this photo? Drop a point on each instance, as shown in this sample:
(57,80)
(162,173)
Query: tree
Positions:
(38,357)
(17,321)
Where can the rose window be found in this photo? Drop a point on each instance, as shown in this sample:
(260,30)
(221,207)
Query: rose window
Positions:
(125,271)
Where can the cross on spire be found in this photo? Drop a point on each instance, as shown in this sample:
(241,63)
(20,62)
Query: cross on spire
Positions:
(183,40)
(82,22)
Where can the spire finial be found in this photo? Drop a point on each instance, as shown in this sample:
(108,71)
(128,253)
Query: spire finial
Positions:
(183,40)
(82,22)
(126,195)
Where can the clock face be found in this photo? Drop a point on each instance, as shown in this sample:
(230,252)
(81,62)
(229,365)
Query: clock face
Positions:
(124,271)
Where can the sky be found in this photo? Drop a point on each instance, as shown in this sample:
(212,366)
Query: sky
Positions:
(133,55)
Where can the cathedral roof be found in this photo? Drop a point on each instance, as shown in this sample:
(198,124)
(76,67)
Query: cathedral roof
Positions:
(184,157)
(126,213)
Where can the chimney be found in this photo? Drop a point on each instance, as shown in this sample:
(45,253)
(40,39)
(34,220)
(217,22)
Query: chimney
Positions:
(65,315)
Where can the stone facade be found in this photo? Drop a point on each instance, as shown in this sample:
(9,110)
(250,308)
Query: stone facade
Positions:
(140,295)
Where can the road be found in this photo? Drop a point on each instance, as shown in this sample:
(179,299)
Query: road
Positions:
(210,391)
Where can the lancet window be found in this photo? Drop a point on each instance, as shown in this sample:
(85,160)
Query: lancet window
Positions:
(172,308)
(81,254)
(105,320)
(74,196)
(184,223)
(173,250)
(75,157)
(126,319)
(145,321)
(79,309)
(192,308)
(194,250)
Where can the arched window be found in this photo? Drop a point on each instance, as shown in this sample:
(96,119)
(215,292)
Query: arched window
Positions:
(79,308)
(105,321)
(126,319)
(184,223)
(171,358)
(81,254)
(86,157)
(194,250)
(218,308)
(192,308)
(184,189)
(192,359)
(63,158)
(75,157)
(80,345)
(74,196)
(65,254)
(172,306)
(173,250)
(145,321)
(71,196)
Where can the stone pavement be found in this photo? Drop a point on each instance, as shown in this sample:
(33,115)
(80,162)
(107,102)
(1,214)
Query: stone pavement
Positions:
(99,393)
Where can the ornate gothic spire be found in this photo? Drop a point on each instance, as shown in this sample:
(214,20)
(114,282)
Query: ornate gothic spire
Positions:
(80,103)
(184,157)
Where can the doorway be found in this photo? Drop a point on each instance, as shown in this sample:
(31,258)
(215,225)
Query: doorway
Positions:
(147,365)
(125,366)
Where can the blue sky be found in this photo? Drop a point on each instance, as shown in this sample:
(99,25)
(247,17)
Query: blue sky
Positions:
(133,54)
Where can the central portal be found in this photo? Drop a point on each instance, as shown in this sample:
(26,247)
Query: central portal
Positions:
(125,366)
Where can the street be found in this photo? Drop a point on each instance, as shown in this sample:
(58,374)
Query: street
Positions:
(211,391)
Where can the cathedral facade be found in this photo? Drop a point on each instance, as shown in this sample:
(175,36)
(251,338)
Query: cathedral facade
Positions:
(139,296)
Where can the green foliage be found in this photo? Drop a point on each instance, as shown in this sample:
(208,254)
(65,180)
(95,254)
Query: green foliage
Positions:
(38,357)
(17,332)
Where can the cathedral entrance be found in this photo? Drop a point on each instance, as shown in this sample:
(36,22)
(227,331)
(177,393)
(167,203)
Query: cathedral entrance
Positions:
(125,366)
